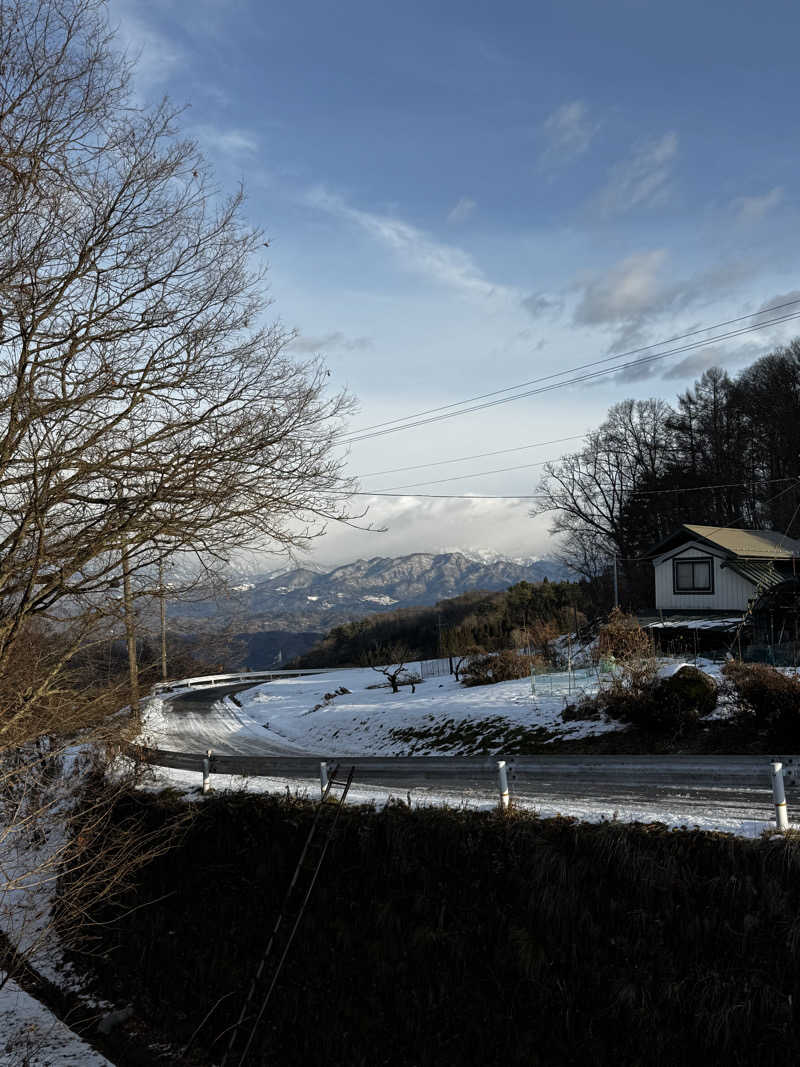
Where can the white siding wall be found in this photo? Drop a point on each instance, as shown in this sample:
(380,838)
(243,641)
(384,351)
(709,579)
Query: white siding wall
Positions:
(731,591)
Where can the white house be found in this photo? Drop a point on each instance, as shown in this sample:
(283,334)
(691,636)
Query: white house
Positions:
(718,569)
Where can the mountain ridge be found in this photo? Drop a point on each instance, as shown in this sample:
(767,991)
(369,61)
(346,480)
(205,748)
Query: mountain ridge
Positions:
(303,599)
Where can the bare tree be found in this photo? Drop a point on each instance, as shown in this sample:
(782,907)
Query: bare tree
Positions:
(588,491)
(144,398)
(393,665)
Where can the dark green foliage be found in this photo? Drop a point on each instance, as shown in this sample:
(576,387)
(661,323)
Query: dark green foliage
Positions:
(500,667)
(659,706)
(526,613)
(767,697)
(458,937)
(692,688)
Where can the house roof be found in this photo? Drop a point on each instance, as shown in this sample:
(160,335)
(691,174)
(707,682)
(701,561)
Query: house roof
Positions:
(743,544)
(760,573)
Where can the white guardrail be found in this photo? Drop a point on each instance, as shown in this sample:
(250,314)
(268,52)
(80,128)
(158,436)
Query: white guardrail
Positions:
(209,681)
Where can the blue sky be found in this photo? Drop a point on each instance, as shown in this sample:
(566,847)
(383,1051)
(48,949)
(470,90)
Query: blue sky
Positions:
(464,196)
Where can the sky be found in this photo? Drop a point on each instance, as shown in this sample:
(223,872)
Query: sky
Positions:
(463,197)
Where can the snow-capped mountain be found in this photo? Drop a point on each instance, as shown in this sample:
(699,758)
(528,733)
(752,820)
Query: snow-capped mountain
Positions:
(304,599)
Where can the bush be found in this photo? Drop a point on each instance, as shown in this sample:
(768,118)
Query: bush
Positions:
(623,637)
(766,697)
(670,705)
(586,709)
(497,667)
(692,688)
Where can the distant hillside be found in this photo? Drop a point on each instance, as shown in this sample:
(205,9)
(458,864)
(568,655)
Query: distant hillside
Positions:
(304,600)
(524,614)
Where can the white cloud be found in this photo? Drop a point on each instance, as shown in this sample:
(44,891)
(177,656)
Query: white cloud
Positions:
(416,524)
(569,132)
(633,293)
(155,54)
(641,180)
(766,313)
(417,251)
(539,304)
(693,365)
(462,210)
(231,142)
(631,289)
(754,208)
(330,340)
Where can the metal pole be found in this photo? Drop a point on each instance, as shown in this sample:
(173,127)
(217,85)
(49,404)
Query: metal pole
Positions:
(207,773)
(323,778)
(616,584)
(502,778)
(779,797)
(163,599)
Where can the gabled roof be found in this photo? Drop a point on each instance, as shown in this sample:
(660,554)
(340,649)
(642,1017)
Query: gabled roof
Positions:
(743,544)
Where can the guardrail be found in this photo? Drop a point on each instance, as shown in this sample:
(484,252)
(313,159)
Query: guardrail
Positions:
(209,681)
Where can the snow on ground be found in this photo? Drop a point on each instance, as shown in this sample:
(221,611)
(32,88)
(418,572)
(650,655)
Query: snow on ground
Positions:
(307,714)
(374,721)
(31,1035)
(587,810)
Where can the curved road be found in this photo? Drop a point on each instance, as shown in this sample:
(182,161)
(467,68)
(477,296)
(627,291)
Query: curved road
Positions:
(681,787)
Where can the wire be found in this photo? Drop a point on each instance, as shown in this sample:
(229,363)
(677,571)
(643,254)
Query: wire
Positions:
(475,474)
(479,455)
(363,435)
(538,496)
(583,366)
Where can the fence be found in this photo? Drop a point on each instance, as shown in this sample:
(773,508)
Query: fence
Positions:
(434,668)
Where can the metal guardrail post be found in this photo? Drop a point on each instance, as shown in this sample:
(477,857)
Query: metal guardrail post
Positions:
(779,796)
(502,781)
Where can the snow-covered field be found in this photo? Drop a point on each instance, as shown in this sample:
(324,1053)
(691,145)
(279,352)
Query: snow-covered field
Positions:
(310,714)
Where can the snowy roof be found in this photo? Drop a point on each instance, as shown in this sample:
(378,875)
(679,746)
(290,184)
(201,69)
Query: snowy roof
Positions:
(747,544)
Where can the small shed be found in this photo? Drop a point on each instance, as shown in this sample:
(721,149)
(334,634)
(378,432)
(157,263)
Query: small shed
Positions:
(712,569)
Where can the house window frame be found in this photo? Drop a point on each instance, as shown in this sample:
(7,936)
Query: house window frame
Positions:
(692,559)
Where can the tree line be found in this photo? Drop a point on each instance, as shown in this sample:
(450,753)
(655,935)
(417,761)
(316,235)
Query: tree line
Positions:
(727,453)
(525,615)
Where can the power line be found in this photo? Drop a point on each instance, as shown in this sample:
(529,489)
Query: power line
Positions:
(538,496)
(475,474)
(583,366)
(381,429)
(479,455)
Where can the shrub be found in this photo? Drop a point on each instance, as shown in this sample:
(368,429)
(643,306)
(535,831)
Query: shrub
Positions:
(497,667)
(586,709)
(670,705)
(623,637)
(767,697)
(692,688)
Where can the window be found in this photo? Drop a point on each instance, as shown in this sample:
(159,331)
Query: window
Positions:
(693,576)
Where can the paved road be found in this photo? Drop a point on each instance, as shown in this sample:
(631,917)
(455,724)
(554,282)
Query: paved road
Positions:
(682,786)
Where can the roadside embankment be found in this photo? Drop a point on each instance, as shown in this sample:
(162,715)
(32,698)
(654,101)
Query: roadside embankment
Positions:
(453,936)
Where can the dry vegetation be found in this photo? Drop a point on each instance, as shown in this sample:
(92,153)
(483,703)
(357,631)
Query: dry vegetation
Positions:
(462,937)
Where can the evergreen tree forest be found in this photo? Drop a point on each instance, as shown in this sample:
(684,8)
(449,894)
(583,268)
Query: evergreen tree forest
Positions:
(726,453)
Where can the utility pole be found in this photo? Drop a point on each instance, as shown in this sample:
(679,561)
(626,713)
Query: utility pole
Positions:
(162,595)
(130,627)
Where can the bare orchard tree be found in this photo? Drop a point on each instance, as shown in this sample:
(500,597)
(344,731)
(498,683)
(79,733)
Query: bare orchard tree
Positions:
(144,398)
(391,663)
